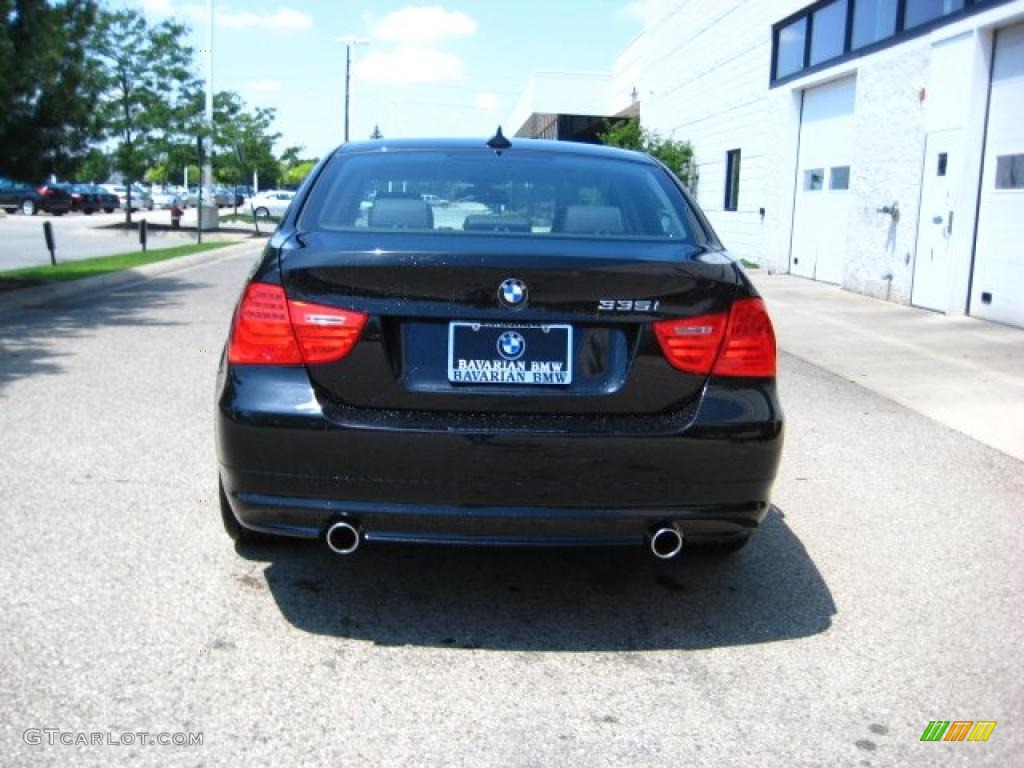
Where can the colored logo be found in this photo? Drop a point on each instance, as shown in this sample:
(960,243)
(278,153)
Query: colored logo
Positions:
(512,292)
(511,345)
(958,730)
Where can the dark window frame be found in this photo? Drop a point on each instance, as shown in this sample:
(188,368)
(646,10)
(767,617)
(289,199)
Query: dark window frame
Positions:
(844,34)
(733,168)
(777,32)
(901,34)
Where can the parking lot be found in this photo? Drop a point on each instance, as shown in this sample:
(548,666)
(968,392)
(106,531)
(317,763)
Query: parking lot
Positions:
(78,236)
(884,591)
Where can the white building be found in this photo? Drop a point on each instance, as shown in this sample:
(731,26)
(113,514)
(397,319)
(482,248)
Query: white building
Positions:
(875,144)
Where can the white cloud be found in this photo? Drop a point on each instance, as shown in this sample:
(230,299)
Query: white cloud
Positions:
(262,86)
(487,102)
(409,65)
(281,19)
(422,24)
(157,7)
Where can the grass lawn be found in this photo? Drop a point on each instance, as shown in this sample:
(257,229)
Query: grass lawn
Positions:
(75,270)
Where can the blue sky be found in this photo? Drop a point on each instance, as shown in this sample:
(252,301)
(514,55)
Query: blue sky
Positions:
(428,69)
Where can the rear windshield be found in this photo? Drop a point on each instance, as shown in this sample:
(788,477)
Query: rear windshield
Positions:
(527,194)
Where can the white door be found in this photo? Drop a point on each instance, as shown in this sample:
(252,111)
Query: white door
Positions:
(823,180)
(940,184)
(997,285)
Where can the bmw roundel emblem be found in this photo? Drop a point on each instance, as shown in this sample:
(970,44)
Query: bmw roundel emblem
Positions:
(512,293)
(511,345)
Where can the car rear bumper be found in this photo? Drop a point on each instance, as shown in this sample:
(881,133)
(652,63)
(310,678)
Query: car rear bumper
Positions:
(291,463)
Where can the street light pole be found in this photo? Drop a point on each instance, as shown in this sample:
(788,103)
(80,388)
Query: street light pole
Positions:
(348,81)
(349,43)
(207,210)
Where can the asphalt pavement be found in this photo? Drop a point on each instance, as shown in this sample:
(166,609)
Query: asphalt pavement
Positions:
(884,591)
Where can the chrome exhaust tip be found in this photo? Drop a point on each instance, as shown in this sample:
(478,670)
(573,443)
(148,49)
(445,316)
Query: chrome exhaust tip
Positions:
(343,538)
(665,541)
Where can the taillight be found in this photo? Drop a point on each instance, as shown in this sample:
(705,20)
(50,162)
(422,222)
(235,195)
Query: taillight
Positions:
(325,334)
(691,343)
(749,348)
(740,343)
(269,329)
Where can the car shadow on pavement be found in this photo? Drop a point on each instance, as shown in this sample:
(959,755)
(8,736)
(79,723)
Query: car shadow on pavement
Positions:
(27,338)
(597,599)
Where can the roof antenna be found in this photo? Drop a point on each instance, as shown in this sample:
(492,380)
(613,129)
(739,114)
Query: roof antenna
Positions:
(498,142)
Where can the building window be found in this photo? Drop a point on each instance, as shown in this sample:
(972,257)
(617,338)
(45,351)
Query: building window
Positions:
(919,12)
(814,180)
(790,49)
(828,32)
(873,20)
(1010,172)
(839,179)
(732,180)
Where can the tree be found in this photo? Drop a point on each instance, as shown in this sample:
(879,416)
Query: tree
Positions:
(294,167)
(96,167)
(48,90)
(244,140)
(295,175)
(676,155)
(376,133)
(626,134)
(148,87)
(290,156)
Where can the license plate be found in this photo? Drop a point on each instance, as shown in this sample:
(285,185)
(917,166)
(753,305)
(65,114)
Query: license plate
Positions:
(500,353)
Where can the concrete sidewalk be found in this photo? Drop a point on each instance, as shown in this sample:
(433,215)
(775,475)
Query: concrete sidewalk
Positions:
(965,373)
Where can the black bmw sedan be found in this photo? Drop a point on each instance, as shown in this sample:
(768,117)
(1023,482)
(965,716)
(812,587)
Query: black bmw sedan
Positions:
(564,354)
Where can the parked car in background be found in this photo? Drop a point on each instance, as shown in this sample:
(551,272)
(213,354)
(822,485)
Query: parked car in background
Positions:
(163,197)
(142,198)
(122,195)
(29,199)
(273,202)
(15,195)
(221,197)
(54,199)
(435,200)
(225,197)
(108,201)
(83,199)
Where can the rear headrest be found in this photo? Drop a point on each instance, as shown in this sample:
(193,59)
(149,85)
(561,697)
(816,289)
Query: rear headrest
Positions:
(401,213)
(592,220)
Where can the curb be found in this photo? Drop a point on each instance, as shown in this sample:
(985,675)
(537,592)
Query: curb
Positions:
(41,296)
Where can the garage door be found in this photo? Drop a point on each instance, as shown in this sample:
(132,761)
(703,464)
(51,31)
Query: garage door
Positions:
(823,180)
(997,286)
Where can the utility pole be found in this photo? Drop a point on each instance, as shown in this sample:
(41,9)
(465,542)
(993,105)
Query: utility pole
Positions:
(208,213)
(349,43)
